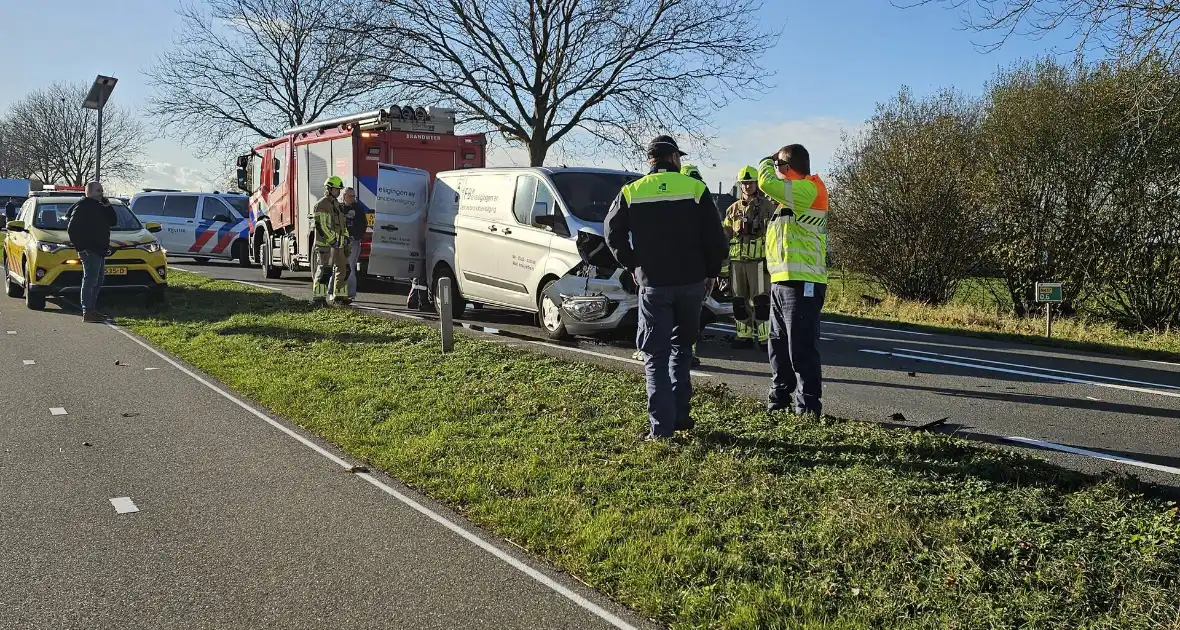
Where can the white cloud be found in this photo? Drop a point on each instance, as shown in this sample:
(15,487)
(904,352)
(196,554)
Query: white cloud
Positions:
(169,175)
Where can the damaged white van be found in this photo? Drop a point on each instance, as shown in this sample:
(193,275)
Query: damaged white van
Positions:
(523,239)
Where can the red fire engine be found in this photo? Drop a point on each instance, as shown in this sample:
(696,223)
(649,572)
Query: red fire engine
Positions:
(285,176)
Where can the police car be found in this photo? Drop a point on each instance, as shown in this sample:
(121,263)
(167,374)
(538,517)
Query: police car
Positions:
(198,225)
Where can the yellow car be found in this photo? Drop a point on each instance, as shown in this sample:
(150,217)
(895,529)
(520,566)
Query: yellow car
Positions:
(39,260)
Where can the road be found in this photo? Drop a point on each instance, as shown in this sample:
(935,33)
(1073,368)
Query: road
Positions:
(1122,413)
(135,493)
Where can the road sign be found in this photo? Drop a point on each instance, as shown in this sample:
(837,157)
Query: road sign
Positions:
(1049,292)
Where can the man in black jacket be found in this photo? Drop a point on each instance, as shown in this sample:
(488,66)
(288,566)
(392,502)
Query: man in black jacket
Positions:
(90,222)
(666,231)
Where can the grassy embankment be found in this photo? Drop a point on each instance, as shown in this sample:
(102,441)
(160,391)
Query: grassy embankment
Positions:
(750,522)
(981,310)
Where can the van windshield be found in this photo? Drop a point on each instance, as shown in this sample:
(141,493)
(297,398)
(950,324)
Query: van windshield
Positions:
(589,195)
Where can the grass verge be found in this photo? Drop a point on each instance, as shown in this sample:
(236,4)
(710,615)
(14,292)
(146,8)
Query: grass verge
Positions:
(751,522)
(976,312)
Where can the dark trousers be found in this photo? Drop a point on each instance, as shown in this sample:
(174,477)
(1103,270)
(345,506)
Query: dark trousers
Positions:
(796,383)
(669,321)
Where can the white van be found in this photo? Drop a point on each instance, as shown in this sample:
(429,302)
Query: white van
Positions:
(504,235)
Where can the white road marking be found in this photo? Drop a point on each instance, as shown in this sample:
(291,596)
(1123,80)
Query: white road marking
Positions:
(1095,454)
(256,285)
(12,332)
(186,270)
(1162,362)
(826,339)
(1041,369)
(149,369)
(1051,377)
(893,330)
(30,362)
(58,411)
(434,516)
(124,505)
(394,313)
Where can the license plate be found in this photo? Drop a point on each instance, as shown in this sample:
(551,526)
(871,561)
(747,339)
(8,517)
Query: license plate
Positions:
(116,271)
(369,219)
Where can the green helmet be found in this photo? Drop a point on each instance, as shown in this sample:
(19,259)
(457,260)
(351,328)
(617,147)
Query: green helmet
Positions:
(748,174)
(691,171)
(334,182)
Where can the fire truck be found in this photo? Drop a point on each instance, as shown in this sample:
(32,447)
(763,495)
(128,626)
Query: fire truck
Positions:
(285,176)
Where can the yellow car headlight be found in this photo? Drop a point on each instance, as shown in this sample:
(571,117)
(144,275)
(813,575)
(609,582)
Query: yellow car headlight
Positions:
(150,248)
(51,248)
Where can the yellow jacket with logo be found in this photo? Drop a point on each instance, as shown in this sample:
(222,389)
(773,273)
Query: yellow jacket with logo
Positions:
(797,238)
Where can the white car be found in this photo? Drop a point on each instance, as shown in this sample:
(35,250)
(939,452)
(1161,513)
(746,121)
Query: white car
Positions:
(198,225)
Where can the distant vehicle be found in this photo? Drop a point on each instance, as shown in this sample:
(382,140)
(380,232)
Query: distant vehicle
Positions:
(198,225)
(16,190)
(285,176)
(39,261)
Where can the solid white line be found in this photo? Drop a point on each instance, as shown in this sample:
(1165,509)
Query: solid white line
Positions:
(893,330)
(260,286)
(1162,362)
(513,562)
(1105,456)
(124,505)
(826,339)
(186,270)
(1033,367)
(1051,377)
(1092,398)
(394,313)
(58,411)
(30,362)
(536,575)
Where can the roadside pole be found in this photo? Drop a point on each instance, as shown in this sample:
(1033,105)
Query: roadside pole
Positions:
(1050,294)
(444,315)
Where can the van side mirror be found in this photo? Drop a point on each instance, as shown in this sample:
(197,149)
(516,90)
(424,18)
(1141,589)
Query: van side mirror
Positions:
(242,183)
(152,226)
(555,222)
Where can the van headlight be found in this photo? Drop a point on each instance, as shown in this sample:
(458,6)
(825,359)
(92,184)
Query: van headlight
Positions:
(51,248)
(585,307)
(150,248)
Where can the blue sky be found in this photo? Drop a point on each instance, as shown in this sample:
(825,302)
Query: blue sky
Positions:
(854,53)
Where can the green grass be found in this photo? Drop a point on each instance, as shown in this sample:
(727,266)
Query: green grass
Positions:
(750,522)
(981,310)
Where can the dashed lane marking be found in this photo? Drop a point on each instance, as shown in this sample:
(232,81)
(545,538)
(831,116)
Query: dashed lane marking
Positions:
(257,286)
(124,505)
(1040,369)
(58,411)
(29,362)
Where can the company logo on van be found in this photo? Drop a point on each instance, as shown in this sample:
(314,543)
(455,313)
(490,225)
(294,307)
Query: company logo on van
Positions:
(395,192)
(422,136)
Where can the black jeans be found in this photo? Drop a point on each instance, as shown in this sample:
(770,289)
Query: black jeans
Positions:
(796,383)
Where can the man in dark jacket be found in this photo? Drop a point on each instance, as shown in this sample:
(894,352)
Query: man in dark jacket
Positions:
(10,210)
(665,229)
(90,222)
(356,224)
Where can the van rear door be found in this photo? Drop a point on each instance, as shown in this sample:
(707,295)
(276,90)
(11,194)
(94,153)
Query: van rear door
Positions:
(399,222)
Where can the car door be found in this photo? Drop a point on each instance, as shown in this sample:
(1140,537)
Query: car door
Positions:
(14,242)
(399,222)
(522,246)
(179,222)
(217,228)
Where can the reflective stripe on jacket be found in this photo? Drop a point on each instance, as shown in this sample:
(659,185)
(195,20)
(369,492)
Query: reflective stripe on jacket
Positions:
(797,239)
(329,223)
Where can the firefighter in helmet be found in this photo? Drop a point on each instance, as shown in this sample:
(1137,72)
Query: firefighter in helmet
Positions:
(745,224)
(331,246)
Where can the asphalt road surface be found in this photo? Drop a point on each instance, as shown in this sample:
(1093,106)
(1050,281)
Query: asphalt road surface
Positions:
(134,495)
(1087,411)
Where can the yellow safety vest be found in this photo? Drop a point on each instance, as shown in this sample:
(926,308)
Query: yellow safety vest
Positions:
(797,239)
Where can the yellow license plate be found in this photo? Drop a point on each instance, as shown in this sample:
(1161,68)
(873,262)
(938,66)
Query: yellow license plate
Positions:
(369,219)
(116,271)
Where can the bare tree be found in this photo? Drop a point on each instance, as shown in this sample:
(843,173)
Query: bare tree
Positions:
(12,163)
(536,71)
(247,69)
(56,137)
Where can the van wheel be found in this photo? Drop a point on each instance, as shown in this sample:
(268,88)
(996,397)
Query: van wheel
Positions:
(12,289)
(458,304)
(549,315)
(201,260)
(243,253)
(268,267)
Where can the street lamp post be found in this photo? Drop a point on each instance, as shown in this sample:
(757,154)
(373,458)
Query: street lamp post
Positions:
(96,99)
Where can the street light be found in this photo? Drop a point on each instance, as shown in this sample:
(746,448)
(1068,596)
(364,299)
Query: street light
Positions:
(96,99)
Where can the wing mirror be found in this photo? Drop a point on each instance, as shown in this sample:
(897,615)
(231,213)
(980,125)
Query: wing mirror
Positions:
(16,226)
(153,227)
